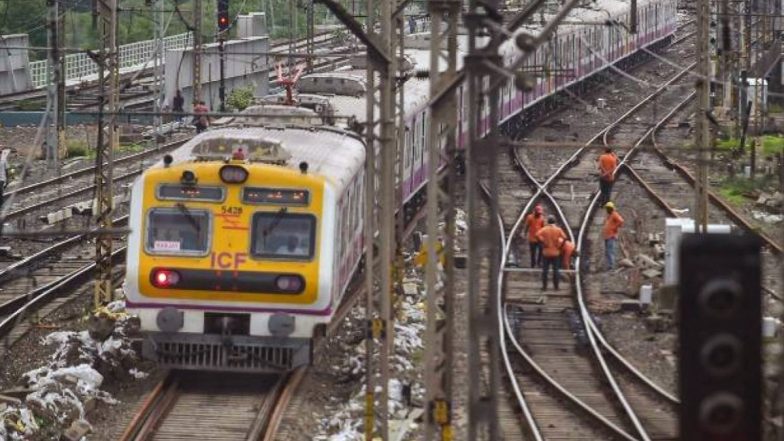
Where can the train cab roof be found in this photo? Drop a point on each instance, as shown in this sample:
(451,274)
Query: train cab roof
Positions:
(334,154)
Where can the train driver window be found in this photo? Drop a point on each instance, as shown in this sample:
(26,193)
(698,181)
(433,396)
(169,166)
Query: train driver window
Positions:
(282,235)
(178,231)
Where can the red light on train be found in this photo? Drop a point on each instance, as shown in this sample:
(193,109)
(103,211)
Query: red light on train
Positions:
(164,278)
(289,283)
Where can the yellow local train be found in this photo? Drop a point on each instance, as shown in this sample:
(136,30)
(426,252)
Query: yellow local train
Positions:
(245,243)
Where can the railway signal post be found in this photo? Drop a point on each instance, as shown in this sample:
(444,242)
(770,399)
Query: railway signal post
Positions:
(441,204)
(107,140)
(197,48)
(223,29)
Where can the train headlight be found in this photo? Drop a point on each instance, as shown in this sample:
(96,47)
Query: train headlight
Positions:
(188,178)
(292,284)
(164,278)
(232,174)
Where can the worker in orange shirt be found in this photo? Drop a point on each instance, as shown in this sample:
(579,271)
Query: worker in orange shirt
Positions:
(552,239)
(567,252)
(612,223)
(533,223)
(607,164)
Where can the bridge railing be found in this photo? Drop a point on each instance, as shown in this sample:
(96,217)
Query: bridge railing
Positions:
(80,66)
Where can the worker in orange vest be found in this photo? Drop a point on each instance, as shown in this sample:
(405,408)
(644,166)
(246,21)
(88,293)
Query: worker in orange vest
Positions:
(607,163)
(533,223)
(612,223)
(567,252)
(552,239)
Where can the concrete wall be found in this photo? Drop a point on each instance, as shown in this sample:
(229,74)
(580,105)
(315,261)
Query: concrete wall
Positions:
(243,67)
(252,25)
(14,74)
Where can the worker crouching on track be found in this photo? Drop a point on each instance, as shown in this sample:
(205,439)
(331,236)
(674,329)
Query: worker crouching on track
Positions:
(533,223)
(612,223)
(568,252)
(552,239)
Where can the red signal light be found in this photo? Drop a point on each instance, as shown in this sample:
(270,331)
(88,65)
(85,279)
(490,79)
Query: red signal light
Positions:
(164,278)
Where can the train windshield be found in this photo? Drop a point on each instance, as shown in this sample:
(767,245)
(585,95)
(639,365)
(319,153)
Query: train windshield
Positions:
(178,230)
(283,235)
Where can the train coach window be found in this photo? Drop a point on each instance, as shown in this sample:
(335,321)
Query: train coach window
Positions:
(282,235)
(178,231)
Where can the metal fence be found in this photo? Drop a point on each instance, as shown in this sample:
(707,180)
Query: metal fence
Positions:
(79,67)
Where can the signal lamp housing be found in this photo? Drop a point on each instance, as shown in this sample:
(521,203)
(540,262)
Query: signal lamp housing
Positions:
(233,174)
(164,278)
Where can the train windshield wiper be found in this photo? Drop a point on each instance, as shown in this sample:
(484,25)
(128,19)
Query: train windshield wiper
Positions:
(189,216)
(275,221)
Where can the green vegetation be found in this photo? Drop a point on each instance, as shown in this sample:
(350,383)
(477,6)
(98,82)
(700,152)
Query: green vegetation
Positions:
(737,190)
(240,98)
(75,148)
(775,108)
(728,144)
(135,147)
(772,145)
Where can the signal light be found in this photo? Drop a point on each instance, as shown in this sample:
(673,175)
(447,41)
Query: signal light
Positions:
(293,284)
(232,174)
(223,15)
(164,278)
(720,338)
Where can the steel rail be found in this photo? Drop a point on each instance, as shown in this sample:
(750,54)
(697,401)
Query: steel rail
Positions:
(278,410)
(8,272)
(521,401)
(22,305)
(670,210)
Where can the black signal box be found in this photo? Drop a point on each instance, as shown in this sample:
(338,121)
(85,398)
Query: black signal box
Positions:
(720,367)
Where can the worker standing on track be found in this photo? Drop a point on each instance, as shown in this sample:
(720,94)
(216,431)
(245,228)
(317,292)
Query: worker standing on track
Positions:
(552,239)
(200,120)
(612,224)
(178,105)
(568,251)
(607,163)
(533,223)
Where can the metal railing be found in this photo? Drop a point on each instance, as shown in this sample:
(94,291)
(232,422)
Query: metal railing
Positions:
(80,66)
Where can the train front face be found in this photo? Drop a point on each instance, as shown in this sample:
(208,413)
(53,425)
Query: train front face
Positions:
(229,265)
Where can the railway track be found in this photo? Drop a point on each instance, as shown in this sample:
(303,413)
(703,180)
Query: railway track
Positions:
(548,321)
(559,345)
(70,188)
(183,406)
(562,352)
